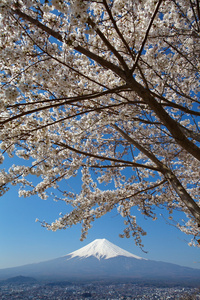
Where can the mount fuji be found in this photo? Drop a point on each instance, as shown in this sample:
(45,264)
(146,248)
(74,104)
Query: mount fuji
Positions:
(102,260)
(101,249)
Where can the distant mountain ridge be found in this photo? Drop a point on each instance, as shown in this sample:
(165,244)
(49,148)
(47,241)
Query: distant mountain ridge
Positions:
(101,260)
(19,280)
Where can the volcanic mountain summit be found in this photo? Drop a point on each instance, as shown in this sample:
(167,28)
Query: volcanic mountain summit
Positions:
(102,260)
(101,249)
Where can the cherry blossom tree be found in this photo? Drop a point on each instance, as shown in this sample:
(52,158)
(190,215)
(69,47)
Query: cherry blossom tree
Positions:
(107,89)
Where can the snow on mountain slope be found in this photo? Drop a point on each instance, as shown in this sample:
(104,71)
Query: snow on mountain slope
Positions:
(101,248)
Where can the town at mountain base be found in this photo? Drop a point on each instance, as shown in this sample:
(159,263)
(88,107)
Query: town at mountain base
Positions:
(102,260)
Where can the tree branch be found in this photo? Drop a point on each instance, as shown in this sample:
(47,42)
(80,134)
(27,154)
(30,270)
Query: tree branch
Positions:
(146,36)
(117,29)
(108,44)
(38,24)
(70,100)
(169,175)
(165,118)
(106,158)
(58,36)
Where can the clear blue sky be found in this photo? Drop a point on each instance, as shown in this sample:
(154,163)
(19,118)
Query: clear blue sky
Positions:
(23,241)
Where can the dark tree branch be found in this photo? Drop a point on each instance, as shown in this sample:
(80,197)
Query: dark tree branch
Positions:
(108,44)
(117,29)
(181,54)
(169,175)
(38,24)
(146,36)
(70,100)
(165,118)
(88,154)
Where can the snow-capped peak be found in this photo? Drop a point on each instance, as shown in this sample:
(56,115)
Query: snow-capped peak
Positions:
(101,248)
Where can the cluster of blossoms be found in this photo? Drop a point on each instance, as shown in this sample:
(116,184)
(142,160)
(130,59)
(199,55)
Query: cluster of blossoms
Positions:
(11,94)
(107,91)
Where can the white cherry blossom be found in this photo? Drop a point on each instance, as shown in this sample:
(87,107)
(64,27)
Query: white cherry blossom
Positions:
(108,91)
